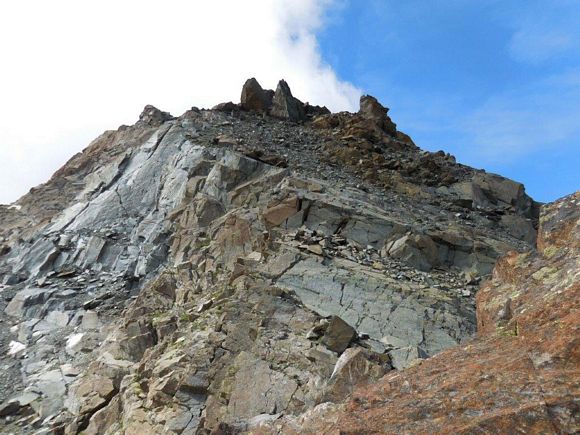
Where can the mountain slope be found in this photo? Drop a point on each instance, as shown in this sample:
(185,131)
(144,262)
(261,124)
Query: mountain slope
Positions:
(521,374)
(232,265)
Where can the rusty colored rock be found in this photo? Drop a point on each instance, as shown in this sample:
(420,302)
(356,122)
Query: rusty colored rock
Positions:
(278,213)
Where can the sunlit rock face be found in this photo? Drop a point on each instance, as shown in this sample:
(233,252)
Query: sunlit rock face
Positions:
(234,269)
(519,375)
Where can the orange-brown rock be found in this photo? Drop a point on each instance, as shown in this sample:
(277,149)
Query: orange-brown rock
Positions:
(520,375)
(254,97)
(278,213)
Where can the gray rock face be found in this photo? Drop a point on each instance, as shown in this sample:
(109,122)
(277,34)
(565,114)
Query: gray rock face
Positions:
(253,393)
(120,229)
(381,307)
(27,302)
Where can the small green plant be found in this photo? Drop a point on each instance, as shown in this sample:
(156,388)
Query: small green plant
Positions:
(503,331)
(550,251)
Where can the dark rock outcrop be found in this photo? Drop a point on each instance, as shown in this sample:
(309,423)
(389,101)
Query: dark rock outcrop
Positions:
(154,117)
(280,104)
(285,106)
(226,107)
(255,98)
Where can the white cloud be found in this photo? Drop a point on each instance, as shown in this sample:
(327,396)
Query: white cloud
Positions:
(71,69)
(545,31)
(536,46)
(510,125)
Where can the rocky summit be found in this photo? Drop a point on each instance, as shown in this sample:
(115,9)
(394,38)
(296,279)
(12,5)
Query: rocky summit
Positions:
(272,267)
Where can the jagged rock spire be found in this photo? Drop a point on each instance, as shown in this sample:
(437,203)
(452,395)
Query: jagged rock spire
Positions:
(280,104)
(285,105)
(371,109)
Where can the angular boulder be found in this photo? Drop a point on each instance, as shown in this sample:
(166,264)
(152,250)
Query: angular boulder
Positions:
(487,190)
(338,335)
(417,250)
(255,98)
(154,117)
(285,106)
(371,109)
(27,301)
(225,107)
(406,356)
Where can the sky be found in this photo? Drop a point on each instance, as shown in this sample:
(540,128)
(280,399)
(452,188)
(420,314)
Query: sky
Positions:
(494,82)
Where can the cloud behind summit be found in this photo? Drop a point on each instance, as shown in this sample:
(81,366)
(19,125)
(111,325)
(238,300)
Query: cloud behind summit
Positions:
(73,69)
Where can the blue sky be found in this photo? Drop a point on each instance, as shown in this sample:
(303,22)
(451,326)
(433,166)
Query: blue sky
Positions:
(496,83)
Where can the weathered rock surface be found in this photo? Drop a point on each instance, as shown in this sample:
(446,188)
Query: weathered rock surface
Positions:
(279,104)
(372,110)
(285,106)
(225,269)
(521,374)
(153,116)
(255,98)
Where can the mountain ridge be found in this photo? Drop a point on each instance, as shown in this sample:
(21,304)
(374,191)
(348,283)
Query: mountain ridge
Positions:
(186,265)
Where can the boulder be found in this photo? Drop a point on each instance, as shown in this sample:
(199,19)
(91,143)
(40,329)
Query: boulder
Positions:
(254,97)
(278,213)
(154,117)
(58,318)
(104,418)
(338,335)
(374,111)
(285,106)
(225,107)
(520,228)
(27,302)
(315,111)
(90,394)
(9,408)
(487,190)
(406,356)
(417,250)
(257,389)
